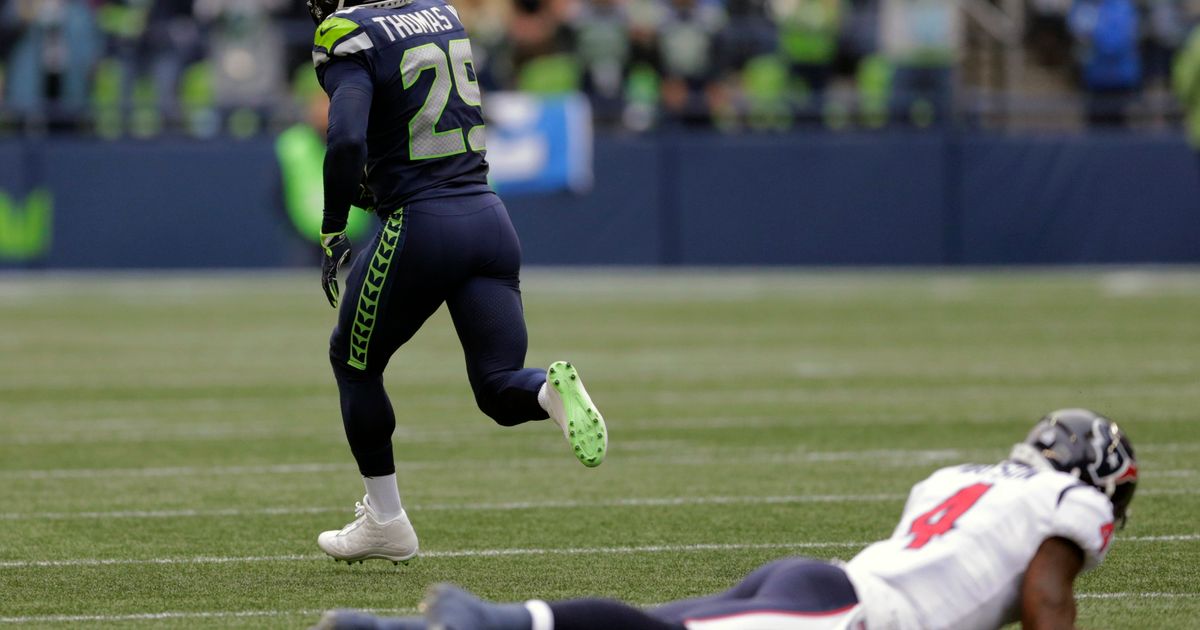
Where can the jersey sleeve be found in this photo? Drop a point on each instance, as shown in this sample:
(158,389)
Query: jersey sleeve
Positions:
(342,53)
(1084,516)
(341,38)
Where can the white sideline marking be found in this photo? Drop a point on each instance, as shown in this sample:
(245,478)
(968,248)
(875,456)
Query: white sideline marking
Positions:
(493,553)
(513,505)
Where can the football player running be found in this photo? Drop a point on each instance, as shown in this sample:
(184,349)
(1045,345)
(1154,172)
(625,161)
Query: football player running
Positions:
(406,138)
(977,547)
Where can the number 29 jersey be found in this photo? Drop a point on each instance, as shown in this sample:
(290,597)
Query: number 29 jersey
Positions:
(967,535)
(425,136)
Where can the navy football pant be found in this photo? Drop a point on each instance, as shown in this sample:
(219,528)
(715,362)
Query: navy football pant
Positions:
(461,251)
(798,586)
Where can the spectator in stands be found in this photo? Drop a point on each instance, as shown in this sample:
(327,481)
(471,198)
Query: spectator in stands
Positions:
(55,46)
(859,36)
(540,48)
(1106,39)
(1185,79)
(246,51)
(921,39)
(1047,31)
(604,47)
(1166,30)
(808,40)
(151,42)
(687,61)
(172,40)
(752,75)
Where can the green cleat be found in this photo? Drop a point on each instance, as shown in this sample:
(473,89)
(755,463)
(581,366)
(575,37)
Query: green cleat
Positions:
(572,409)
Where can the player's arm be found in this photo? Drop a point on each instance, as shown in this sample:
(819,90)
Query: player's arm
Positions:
(1047,592)
(350,92)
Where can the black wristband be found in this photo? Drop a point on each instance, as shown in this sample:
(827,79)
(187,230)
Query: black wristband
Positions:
(333,224)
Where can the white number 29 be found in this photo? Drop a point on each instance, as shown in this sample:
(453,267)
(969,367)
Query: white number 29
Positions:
(449,68)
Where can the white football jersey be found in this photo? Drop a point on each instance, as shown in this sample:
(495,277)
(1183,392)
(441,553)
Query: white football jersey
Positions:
(968,533)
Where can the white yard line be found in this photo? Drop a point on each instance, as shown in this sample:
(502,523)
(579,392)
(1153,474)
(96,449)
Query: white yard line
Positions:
(174,471)
(466,507)
(636,452)
(215,614)
(493,553)
(1151,595)
(459,553)
(654,455)
(1168,538)
(236,614)
(500,506)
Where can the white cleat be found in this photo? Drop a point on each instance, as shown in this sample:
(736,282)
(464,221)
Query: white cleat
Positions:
(365,538)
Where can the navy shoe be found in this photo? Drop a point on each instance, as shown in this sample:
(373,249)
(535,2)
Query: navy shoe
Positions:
(448,607)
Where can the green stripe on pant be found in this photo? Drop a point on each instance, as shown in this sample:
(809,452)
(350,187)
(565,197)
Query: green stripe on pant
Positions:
(372,287)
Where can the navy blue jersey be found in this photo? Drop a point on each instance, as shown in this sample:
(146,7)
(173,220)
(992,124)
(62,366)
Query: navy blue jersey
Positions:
(400,76)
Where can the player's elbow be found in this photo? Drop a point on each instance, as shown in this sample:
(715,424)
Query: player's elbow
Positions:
(1048,611)
(1047,593)
(346,147)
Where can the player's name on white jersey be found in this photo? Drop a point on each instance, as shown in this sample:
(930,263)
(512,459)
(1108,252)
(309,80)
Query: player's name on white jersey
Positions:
(423,22)
(1007,468)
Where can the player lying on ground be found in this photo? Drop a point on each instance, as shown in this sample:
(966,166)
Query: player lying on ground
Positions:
(977,547)
(405,110)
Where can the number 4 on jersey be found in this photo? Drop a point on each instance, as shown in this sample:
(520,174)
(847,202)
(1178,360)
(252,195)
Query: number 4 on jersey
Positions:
(941,519)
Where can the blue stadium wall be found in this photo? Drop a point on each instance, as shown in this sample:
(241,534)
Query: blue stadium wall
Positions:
(818,199)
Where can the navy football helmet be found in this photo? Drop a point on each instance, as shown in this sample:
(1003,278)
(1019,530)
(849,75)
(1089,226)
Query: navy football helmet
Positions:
(321,9)
(1090,447)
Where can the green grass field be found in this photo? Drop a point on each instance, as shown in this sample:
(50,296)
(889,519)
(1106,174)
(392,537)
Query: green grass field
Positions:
(170,446)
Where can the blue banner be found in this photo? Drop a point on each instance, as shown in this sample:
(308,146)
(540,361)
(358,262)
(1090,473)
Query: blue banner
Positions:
(539,144)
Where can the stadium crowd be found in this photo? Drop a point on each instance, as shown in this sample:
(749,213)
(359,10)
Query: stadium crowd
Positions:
(211,66)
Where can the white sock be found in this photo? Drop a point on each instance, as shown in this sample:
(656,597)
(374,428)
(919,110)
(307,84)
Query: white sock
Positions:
(544,397)
(551,407)
(384,496)
(543,617)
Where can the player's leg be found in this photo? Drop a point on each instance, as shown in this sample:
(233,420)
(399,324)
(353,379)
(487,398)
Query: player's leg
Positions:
(490,321)
(602,614)
(384,304)
(745,589)
(451,608)
(796,588)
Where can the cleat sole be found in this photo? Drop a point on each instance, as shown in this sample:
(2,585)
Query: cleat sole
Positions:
(373,556)
(589,446)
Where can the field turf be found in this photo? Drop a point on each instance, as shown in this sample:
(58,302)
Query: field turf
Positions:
(170,446)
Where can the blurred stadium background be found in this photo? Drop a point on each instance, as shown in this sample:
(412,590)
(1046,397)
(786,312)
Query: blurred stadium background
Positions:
(877,132)
(683,174)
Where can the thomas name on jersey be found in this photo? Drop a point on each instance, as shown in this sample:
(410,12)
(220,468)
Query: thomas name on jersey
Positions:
(423,22)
